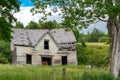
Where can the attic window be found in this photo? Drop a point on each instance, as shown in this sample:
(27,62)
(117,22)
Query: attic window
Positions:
(46,44)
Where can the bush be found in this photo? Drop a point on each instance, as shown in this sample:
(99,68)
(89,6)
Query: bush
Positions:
(5,53)
(103,39)
(80,54)
(83,44)
(3,59)
(93,55)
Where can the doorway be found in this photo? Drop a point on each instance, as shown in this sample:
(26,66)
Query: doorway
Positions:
(46,60)
(28,59)
(64,60)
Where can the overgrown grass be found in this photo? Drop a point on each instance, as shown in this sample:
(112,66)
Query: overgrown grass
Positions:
(9,72)
(96,54)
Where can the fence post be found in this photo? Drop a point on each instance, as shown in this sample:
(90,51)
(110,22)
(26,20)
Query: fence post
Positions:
(64,73)
(54,73)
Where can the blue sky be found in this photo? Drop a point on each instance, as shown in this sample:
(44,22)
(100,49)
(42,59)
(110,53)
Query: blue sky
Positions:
(25,16)
(26,3)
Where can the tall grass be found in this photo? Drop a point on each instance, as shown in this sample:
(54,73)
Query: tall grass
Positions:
(9,72)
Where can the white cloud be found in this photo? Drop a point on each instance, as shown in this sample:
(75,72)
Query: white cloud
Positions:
(25,16)
(99,25)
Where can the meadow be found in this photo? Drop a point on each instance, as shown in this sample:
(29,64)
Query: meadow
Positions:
(17,72)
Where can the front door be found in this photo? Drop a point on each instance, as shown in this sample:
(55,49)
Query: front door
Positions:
(46,60)
(64,60)
(28,59)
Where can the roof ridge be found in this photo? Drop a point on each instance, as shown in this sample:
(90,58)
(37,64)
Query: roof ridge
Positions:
(33,35)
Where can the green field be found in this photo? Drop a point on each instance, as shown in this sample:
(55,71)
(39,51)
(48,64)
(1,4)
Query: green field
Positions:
(10,72)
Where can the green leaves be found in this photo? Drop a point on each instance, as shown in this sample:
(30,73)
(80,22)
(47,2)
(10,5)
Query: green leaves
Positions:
(5,29)
(43,25)
(8,7)
(5,53)
(32,25)
(81,13)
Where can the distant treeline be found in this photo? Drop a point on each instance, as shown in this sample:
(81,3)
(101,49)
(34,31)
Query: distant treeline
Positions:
(94,36)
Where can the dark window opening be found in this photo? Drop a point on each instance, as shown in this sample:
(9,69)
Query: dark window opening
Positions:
(28,59)
(46,44)
(64,60)
(46,61)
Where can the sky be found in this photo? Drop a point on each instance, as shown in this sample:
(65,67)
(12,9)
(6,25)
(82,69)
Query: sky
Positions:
(25,16)
(26,3)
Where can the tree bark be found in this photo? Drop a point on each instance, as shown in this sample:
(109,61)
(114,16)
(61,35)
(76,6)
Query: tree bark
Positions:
(113,26)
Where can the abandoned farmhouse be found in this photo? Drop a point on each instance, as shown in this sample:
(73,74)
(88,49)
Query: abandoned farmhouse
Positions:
(43,47)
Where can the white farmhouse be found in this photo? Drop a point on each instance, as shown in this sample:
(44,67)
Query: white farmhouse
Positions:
(43,47)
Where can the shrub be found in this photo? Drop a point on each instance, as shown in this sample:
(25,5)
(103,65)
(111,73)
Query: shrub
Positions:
(93,55)
(81,54)
(3,59)
(103,39)
(107,41)
(5,53)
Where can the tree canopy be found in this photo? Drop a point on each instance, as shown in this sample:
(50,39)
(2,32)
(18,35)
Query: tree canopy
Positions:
(81,13)
(7,9)
(49,25)
(95,35)
(42,25)
(19,25)
(32,25)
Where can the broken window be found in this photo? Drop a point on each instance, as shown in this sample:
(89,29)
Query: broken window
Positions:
(64,60)
(46,44)
(28,59)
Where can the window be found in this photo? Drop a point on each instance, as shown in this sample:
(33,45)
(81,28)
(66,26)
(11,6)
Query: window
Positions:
(46,44)
(28,59)
(64,60)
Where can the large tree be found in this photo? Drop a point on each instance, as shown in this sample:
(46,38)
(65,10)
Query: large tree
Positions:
(7,9)
(80,13)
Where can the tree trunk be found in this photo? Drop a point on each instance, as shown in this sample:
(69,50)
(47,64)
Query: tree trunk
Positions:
(113,26)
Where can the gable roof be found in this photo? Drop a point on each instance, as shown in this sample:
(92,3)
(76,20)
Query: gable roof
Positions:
(30,37)
(48,33)
(63,36)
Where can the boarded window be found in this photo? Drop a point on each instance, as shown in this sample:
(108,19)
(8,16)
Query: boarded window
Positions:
(28,59)
(46,44)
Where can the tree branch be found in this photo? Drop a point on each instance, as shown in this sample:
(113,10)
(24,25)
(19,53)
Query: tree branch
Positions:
(64,6)
(102,19)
